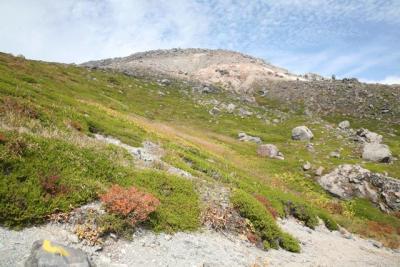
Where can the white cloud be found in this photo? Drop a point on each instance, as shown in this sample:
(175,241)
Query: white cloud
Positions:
(386,80)
(288,32)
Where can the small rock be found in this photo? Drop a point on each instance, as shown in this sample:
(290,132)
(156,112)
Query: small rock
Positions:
(334,154)
(302,133)
(307,166)
(344,125)
(248,138)
(376,244)
(319,171)
(269,150)
(214,111)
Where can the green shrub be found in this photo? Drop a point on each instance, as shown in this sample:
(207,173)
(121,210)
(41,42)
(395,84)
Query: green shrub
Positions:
(111,223)
(328,221)
(289,243)
(302,213)
(262,221)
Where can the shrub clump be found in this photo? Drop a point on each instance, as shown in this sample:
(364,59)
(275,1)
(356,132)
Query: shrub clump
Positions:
(51,185)
(130,203)
(263,222)
(328,221)
(302,213)
(267,204)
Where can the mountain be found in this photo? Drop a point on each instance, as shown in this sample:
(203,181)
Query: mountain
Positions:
(123,162)
(252,77)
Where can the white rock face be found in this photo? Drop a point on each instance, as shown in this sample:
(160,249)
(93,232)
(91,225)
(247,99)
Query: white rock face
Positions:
(376,152)
(348,181)
(302,133)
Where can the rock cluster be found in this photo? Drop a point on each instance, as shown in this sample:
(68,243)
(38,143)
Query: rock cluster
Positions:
(373,149)
(349,181)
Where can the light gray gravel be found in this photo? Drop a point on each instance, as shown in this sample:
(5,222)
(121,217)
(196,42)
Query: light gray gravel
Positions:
(207,248)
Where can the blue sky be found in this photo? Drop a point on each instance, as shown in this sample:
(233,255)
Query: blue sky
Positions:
(349,38)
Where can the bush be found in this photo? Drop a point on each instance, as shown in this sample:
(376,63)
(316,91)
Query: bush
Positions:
(263,200)
(302,213)
(3,139)
(51,185)
(111,223)
(17,147)
(328,221)
(130,203)
(263,222)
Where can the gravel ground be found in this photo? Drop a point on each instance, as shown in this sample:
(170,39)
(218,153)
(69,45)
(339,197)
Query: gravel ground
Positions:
(206,248)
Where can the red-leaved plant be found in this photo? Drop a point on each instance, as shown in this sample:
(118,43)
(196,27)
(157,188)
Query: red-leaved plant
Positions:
(263,200)
(131,203)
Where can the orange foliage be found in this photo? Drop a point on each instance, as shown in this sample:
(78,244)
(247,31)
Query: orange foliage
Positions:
(130,203)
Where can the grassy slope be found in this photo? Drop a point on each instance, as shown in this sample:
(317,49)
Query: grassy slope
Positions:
(53,100)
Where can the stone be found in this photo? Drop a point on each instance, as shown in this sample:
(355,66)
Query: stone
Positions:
(334,154)
(350,181)
(307,166)
(302,133)
(230,108)
(376,152)
(248,138)
(319,171)
(45,253)
(344,125)
(269,150)
(366,136)
(214,111)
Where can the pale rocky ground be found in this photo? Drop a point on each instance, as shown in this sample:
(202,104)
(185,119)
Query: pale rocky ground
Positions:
(229,69)
(207,248)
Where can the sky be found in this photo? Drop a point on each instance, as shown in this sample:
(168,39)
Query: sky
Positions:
(348,38)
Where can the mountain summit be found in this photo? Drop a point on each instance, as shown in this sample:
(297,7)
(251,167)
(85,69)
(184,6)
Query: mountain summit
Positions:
(230,70)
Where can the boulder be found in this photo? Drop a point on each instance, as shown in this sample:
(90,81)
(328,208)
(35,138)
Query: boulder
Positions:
(302,133)
(366,136)
(334,154)
(344,125)
(248,138)
(349,181)
(214,111)
(269,150)
(307,166)
(376,152)
(45,253)
(319,171)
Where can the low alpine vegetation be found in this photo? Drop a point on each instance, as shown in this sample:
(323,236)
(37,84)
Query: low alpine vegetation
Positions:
(263,222)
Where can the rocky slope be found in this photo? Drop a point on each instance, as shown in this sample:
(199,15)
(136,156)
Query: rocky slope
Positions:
(252,76)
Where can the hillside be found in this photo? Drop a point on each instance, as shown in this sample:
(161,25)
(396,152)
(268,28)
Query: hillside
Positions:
(178,131)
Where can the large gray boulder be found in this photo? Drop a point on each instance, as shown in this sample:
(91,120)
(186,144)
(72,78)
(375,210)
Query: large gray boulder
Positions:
(349,181)
(376,152)
(45,253)
(302,133)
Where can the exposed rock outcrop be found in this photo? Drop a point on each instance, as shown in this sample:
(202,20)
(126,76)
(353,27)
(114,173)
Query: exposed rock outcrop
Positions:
(348,181)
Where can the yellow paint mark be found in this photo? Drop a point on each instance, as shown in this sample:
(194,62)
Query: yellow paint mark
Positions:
(47,246)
